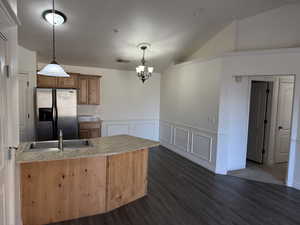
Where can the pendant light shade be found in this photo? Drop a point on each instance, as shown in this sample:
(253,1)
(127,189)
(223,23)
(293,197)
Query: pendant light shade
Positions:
(53,69)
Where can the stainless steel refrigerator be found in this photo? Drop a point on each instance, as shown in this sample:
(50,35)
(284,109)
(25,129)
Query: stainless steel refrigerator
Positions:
(56,109)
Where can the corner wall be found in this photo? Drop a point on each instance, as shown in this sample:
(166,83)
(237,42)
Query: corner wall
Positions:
(234,106)
(189,110)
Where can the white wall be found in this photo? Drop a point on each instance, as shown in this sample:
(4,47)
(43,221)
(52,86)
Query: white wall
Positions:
(127,105)
(277,28)
(189,110)
(234,106)
(27,66)
(223,41)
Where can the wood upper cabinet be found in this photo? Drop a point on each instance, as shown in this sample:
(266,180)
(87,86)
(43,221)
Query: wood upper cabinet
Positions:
(88,86)
(57,82)
(89,90)
(83,90)
(94,91)
(68,82)
(46,81)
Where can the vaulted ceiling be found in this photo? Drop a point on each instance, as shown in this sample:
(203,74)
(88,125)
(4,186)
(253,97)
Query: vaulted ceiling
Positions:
(98,32)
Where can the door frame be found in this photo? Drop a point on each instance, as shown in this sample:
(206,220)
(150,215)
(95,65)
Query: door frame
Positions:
(270,156)
(26,77)
(267,115)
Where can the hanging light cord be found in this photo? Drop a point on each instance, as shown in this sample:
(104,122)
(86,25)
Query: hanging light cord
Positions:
(53,31)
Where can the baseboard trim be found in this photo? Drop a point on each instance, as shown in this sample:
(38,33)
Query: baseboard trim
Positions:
(189,156)
(296,185)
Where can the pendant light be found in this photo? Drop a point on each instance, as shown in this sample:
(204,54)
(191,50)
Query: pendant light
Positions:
(53,69)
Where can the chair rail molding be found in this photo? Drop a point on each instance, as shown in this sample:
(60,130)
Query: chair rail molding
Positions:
(196,144)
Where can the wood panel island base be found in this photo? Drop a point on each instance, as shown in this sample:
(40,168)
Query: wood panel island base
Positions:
(60,190)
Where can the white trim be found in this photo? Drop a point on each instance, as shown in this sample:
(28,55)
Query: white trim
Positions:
(210,146)
(131,127)
(191,157)
(162,123)
(296,185)
(188,138)
(187,151)
(215,132)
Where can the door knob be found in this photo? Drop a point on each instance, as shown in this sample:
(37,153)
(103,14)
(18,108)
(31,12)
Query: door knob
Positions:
(280,127)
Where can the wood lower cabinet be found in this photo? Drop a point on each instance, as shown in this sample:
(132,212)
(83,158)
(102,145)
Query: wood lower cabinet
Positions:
(55,191)
(89,130)
(126,178)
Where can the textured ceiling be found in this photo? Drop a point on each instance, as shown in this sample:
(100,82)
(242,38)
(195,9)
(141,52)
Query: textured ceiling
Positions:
(173,27)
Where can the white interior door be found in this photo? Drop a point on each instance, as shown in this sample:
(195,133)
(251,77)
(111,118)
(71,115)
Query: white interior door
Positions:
(285,106)
(24,115)
(4,184)
(258,104)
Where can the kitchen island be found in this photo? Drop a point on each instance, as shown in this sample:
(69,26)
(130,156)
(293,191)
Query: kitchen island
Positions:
(63,185)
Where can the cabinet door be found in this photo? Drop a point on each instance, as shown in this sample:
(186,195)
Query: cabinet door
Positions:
(68,82)
(46,81)
(94,133)
(84,134)
(82,90)
(94,91)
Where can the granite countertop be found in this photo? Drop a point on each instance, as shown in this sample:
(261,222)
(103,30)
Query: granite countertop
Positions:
(103,146)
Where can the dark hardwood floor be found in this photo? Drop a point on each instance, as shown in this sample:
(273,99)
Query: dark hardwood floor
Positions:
(183,193)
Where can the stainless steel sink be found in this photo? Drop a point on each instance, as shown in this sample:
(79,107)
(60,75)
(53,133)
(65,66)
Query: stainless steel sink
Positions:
(53,145)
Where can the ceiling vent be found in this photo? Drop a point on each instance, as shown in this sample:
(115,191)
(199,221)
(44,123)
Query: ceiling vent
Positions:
(123,61)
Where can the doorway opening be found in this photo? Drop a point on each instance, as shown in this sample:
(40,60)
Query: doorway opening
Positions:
(269,129)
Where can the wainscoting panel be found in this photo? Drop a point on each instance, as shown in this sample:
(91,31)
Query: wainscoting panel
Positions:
(201,146)
(116,129)
(148,129)
(165,132)
(181,138)
(196,144)
(143,130)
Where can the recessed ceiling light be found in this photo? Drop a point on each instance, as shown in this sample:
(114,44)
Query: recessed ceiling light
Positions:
(59,17)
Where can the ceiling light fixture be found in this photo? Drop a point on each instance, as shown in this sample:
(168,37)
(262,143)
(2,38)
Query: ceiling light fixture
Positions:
(143,71)
(53,69)
(59,17)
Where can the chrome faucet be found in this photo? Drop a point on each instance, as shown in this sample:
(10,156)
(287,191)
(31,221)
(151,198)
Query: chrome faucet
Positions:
(60,141)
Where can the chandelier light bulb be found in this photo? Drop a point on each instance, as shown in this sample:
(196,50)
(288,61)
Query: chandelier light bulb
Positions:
(150,69)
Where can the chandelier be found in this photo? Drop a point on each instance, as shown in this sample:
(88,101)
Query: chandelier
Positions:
(143,71)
